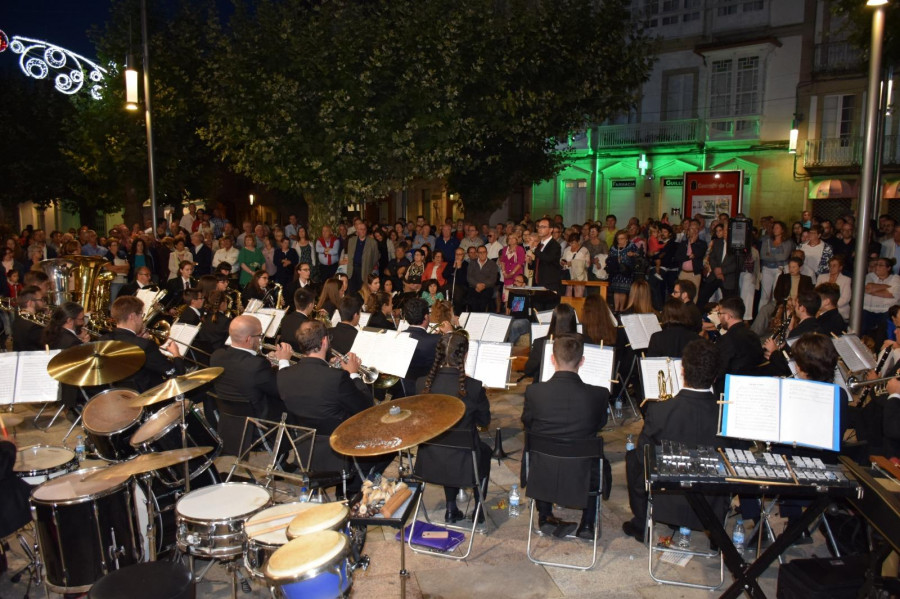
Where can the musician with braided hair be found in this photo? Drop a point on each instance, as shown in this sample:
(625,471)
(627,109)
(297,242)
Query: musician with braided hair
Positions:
(448,377)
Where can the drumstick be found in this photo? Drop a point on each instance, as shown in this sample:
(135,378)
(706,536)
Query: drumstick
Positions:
(274,517)
(256,533)
(3,428)
(395,501)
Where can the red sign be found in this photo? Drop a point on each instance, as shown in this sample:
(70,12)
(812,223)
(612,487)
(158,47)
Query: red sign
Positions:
(710,193)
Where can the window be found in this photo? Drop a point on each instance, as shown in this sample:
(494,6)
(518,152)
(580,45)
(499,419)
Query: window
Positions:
(734,87)
(837,118)
(678,96)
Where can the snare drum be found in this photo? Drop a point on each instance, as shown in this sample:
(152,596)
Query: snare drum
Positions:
(313,566)
(162,432)
(109,423)
(319,516)
(267,531)
(210,521)
(40,463)
(85,528)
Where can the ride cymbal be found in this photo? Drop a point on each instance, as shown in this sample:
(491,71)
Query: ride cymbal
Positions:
(148,462)
(396,425)
(96,363)
(174,387)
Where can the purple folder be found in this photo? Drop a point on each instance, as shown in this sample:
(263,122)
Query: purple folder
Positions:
(453,539)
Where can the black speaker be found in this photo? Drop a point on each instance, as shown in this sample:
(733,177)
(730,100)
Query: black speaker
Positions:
(739,234)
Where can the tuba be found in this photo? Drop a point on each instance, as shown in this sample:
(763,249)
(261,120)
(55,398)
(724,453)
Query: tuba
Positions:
(87,284)
(58,270)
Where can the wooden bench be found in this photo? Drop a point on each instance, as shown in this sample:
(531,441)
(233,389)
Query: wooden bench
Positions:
(578,302)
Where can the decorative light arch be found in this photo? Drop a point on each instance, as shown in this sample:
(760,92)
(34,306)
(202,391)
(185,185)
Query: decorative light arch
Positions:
(70,71)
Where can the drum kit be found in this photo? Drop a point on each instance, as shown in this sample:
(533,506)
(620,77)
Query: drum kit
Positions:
(90,521)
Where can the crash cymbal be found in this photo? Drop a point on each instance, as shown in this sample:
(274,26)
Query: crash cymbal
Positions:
(148,462)
(96,363)
(397,424)
(176,386)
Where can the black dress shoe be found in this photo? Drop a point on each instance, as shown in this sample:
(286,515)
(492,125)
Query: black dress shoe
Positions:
(480,516)
(633,530)
(453,515)
(547,526)
(564,529)
(585,531)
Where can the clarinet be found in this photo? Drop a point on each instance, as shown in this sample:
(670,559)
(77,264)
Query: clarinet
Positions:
(868,390)
(781,334)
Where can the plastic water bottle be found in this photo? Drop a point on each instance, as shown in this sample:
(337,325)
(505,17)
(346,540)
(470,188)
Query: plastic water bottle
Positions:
(304,495)
(79,449)
(514,502)
(462,496)
(737,536)
(629,442)
(683,538)
(618,408)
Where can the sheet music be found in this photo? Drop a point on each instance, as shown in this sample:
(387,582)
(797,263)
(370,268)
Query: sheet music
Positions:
(752,408)
(183,335)
(808,414)
(253,306)
(365,343)
(33,383)
(639,328)
(544,317)
(539,330)
(598,365)
(671,367)
(531,288)
(496,328)
(402,326)
(472,357)
(8,363)
(148,297)
(463,318)
(854,353)
(390,354)
(476,322)
(492,366)
(364,319)
(579,328)
(335,318)
(275,325)
(547,369)
(264,319)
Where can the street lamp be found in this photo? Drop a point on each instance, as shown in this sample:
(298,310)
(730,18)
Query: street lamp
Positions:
(870,151)
(131,84)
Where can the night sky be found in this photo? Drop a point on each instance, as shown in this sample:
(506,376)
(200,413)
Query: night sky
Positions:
(61,22)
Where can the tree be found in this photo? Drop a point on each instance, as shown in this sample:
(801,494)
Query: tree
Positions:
(859,26)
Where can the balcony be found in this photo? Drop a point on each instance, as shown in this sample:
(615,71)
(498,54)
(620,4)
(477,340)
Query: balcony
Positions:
(846,152)
(837,58)
(649,134)
(733,128)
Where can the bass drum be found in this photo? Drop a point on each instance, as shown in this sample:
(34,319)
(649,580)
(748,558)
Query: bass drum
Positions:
(109,423)
(162,432)
(85,528)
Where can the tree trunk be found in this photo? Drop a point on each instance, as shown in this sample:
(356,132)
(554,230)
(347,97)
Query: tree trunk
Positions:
(133,209)
(323,210)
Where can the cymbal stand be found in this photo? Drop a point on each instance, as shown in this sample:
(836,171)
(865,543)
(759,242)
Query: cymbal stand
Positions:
(151,514)
(187,469)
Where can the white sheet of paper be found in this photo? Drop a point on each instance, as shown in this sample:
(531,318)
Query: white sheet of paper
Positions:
(8,363)
(539,330)
(753,408)
(472,357)
(253,306)
(854,353)
(547,369)
(496,328)
(364,319)
(639,328)
(183,335)
(598,365)
(264,319)
(390,354)
(146,296)
(335,318)
(402,326)
(807,413)
(476,323)
(544,317)
(671,368)
(493,364)
(275,325)
(33,383)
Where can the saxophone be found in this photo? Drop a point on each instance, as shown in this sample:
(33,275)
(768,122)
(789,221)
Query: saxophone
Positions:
(781,332)
(279,299)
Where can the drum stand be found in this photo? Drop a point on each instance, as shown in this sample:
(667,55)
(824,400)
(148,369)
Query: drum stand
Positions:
(151,515)
(187,470)
(34,567)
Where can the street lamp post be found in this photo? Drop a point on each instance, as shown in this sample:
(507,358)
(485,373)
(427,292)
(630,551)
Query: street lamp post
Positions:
(866,189)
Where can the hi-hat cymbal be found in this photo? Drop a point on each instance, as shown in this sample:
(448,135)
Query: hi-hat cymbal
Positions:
(147,462)
(396,425)
(174,387)
(96,363)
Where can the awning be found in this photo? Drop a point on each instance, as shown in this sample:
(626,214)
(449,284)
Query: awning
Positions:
(832,188)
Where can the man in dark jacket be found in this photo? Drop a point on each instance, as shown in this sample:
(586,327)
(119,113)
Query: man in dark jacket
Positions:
(545,259)
(415,312)
(566,407)
(690,253)
(344,333)
(304,300)
(739,347)
(202,256)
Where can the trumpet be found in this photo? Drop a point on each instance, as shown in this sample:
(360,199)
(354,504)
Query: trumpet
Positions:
(295,356)
(369,375)
(855,385)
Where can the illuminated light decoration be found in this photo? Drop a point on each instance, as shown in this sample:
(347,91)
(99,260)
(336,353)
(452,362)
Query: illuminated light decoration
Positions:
(38,58)
(4,41)
(643,164)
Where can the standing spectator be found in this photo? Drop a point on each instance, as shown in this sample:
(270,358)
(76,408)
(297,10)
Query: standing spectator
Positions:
(472,239)
(179,254)
(218,222)
(836,276)
(187,220)
(362,255)
(882,292)
(202,255)
(511,262)
(748,283)
(482,275)
(620,266)
(290,229)
(268,252)
(690,253)
(286,260)
(610,231)
(247,231)
(119,267)
(140,257)
(328,251)
(816,253)
(724,269)
(890,248)
(773,256)
(576,259)
(250,259)
(424,238)
(458,280)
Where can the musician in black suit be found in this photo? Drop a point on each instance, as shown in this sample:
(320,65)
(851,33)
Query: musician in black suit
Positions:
(321,397)
(805,308)
(304,301)
(142,280)
(213,326)
(381,307)
(14,493)
(193,310)
(26,334)
(344,333)
(248,376)
(677,331)
(562,322)
(202,255)
(565,407)
(725,269)
(830,321)
(65,330)
(415,311)
(127,312)
(176,286)
(692,418)
(448,377)
(739,348)
(545,258)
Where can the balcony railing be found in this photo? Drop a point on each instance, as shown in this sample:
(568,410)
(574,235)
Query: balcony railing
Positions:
(838,57)
(640,134)
(846,152)
(725,129)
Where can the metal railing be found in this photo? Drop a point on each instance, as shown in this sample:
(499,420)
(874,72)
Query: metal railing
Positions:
(658,133)
(838,57)
(846,151)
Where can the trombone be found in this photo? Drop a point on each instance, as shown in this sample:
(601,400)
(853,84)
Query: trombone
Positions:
(855,385)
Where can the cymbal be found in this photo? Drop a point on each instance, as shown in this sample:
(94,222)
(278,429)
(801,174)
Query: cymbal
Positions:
(396,425)
(96,363)
(147,462)
(174,387)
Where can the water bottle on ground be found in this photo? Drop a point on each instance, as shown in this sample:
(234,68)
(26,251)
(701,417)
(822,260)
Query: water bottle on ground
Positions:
(683,538)
(737,537)
(618,410)
(514,502)
(629,442)
(304,495)
(79,449)
(462,497)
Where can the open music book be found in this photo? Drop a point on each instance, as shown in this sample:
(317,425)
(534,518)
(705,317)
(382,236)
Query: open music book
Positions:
(389,352)
(788,411)
(489,362)
(596,370)
(275,325)
(542,330)
(671,369)
(265,319)
(183,335)
(854,353)
(639,328)
(149,298)
(483,326)
(24,378)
